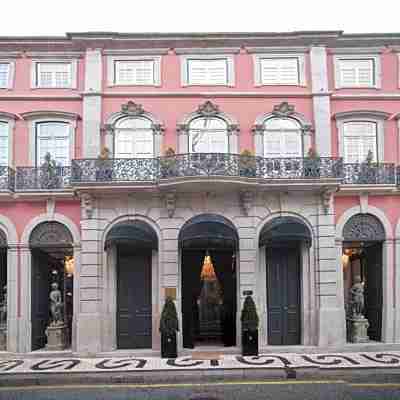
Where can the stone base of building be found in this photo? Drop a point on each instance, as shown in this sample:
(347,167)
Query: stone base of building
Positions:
(3,337)
(358,330)
(56,337)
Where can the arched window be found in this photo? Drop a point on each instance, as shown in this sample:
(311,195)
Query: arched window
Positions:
(359,138)
(53,137)
(134,138)
(208,135)
(4,143)
(282,137)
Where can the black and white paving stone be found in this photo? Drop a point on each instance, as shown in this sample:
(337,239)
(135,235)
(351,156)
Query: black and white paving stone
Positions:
(230,362)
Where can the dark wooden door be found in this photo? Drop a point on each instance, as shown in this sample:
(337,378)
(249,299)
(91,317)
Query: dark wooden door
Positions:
(283,294)
(134,316)
(373,290)
(40,290)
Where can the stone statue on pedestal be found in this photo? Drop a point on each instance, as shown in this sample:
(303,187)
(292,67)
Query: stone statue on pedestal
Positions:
(3,320)
(56,305)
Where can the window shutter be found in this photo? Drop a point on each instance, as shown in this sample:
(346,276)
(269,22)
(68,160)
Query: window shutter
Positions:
(272,144)
(4,75)
(53,138)
(279,71)
(291,144)
(143,144)
(357,73)
(359,139)
(136,72)
(207,72)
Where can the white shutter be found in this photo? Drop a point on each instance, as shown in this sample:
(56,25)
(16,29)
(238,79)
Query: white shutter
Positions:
(54,75)
(136,72)
(4,74)
(123,144)
(356,73)
(359,139)
(272,144)
(53,138)
(4,151)
(291,144)
(207,72)
(143,144)
(279,71)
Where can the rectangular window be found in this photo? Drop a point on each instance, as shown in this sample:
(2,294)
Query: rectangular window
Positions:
(134,72)
(357,72)
(4,74)
(54,74)
(279,71)
(4,152)
(207,71)
(359,139)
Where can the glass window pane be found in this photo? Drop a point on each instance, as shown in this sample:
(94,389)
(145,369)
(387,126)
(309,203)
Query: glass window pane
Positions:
(4,74)
(359,139)
(135,72)
(279,71)
(208,72)
(208,135)
(54,75)
(53,138)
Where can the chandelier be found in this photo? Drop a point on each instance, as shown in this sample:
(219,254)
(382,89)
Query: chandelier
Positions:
(207,271)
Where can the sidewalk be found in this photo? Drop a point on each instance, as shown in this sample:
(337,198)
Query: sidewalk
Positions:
(44,371)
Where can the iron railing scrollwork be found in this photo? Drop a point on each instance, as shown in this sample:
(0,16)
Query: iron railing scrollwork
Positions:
(369,174)
(38,178)
(7,179)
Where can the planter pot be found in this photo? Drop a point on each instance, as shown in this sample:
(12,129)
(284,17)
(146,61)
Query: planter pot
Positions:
(250,343)
(168,346)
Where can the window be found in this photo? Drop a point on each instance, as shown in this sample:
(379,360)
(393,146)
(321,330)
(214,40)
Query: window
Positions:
(282,138)
(359,138)
(134,70)
(54,74)
(4,74)
(134,138)
(4,143)
(212,70)
(53,138)
(208,135)
(351,72)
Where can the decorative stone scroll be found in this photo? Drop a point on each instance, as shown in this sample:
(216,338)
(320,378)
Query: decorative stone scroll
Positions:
(363,227)
(246,201)
(50,234)
(170,203)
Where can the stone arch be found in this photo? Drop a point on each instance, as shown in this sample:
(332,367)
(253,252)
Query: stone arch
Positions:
(50,234)
(363,227)
(8,227)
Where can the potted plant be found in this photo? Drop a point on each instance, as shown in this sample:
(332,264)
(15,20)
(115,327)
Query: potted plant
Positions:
(49,173)
(247,164)
(168,163)
(312,164)
(168,328)
(104,169)
(250,321)
(368,170)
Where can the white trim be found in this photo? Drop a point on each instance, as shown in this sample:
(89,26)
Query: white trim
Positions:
(230,68)
(257,68)
(355,57)
(207,50)
(111,70)
(10,120)
(277,49)
(74,71)
(11,73)
(136,52)
(356,50)
(55,54)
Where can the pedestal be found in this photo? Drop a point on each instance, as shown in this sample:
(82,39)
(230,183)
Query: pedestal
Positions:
(3,337)
(56,337)
(358,330)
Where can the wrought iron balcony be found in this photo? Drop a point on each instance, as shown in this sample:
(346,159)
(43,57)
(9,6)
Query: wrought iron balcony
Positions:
(7,179)
(369,174)
(203,165)
(39,178)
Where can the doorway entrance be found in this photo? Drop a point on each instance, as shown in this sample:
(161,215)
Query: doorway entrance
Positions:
(52,262)
(208,245)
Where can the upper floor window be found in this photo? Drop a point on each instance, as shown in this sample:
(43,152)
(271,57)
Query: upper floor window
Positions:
(54,74)
(212,70)
(53,137)
(359,139)
(208,135)
(134,70)
(134,138)
(357,72)
(6,74)
(4,143)
(282,138)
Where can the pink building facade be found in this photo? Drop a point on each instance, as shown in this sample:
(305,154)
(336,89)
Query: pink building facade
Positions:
(275,154)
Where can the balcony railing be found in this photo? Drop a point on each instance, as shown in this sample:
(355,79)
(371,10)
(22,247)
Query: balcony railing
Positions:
(32,178)
(369,174)
(7,179)
(203,165)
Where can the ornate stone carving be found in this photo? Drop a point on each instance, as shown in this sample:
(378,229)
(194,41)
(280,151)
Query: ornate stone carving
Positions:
(208,109)
(233,129)
(326,197)
(56,305)
(132,109)
(182,129)
(158,129)
(170,203)
(3,239)
(258,129)
(87,205)
(363,227)
(246,201)
(283,110)
(50,234)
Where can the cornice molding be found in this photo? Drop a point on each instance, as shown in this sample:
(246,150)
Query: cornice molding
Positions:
(277,49)
(136,52)
(10,54)
(8,116)
(55,54)
(207,50)
(361,113)
(49,113)
(356,50)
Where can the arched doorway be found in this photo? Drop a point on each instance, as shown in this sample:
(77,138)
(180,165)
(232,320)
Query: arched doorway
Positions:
(208,245)
(283,241)
(51,246)
(363,237)
(133,242)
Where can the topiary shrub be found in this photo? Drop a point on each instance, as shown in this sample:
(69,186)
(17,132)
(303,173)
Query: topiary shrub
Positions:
(249,316)
(168,327)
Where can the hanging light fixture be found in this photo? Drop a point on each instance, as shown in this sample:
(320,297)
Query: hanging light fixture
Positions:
(69,264)
(207,271)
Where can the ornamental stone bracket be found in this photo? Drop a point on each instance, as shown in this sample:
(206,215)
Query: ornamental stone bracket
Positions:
(170,203)
(246,199)
(326,198)
(87,204)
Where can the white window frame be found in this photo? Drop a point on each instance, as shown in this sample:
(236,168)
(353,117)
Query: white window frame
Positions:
(11,73)
(342,119)
(230,79)
(111,75)
(9,119)
(358,57)
(257,58)
(74,72)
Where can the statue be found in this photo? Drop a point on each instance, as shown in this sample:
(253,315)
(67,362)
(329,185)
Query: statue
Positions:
(357,298)
(56,305)
(3,308)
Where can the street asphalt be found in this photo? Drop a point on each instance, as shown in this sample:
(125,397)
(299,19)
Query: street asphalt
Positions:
(334,389)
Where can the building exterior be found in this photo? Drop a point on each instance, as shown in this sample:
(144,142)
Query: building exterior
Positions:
(165,148)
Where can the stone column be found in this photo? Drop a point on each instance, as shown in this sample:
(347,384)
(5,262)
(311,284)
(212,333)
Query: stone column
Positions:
(321,101)
(25,285)
(92,103)
(12,297)
(396,282)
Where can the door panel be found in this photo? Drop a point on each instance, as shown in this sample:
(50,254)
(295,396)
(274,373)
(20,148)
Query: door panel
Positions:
(283,293)
(134,314)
